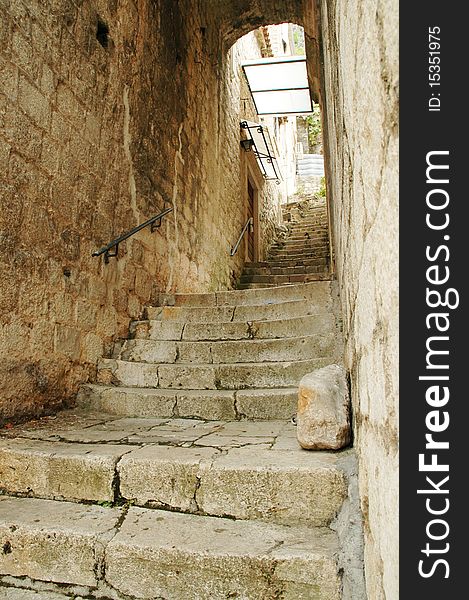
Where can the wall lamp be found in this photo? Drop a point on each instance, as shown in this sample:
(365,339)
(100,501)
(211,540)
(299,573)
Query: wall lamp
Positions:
(247,144)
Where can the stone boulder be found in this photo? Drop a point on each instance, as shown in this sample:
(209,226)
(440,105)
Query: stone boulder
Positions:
(323,420)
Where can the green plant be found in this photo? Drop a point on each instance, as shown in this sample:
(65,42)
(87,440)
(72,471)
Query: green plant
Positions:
(314,126)
(322,189)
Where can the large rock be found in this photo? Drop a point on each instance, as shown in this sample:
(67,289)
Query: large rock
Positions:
(323,409)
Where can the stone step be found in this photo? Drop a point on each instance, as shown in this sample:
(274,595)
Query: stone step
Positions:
(237,330)
(283,279)
(304,245)
(293,270)
(228,351)
(288,263)
(227,405)
(312,291)
(311,234)
(54,541)
(301,245)
(245,313)
(244,470)
(286,255)
(207,376)
(143,553)
(307,223)
(323,276)
(257,286)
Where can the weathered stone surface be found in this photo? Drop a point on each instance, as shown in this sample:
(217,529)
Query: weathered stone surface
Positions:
(163,476)
(250,350)
(148,351)
(86,156)
(127,401)
(54,541)
(187,299)
(198,377)
(255,375)
(279,328)
(186,556)
(275,311)
(295,327)
(216,405)
(129,374)
(227,405)
(288,487)
(365,224)
(59,470)
(191,314)
(255,310)
(317,293)
(275,350)
(323,419)
(24,594)
(216,331)
(157,330)
(267,403)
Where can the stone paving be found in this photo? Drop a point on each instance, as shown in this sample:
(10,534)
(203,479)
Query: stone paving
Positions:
(179,474)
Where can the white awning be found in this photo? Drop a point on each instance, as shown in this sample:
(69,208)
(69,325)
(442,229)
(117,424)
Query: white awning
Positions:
(279,86)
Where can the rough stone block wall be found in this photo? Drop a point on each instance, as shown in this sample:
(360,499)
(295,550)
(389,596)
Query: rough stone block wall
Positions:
(360,47)
(94,140)
(270,195)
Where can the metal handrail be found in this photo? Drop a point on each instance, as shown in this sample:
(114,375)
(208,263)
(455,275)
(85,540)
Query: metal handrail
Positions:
(249,223)
(115,243)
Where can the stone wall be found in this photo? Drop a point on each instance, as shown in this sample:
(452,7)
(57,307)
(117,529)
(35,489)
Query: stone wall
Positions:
(360,99)
(96,136)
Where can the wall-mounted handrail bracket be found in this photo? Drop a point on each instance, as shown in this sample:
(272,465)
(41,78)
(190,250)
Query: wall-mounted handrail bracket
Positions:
(154,223)
(249,225)
(108,255)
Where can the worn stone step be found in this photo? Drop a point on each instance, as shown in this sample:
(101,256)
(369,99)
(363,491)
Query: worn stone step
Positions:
(286,263)
(54,541)
(232,298)
(207,376)
(313,235)
(319,215)
(238,330)
(228,351)
(146,553)
(304,246)
(223,314)
(227,405)
(300,246)
(282,255)
(59,470)
(256,286)
(300,270)
(208,558)
(240,469)
(264,280)
(284,279)
(286,487)
(315,232)
(285,270)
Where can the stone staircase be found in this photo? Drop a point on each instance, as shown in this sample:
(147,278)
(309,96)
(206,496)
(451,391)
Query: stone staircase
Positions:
(178,476)
(301,255)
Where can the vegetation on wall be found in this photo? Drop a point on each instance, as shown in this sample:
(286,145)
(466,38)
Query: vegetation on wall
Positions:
(314,127)
(322,189)
(298,39)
